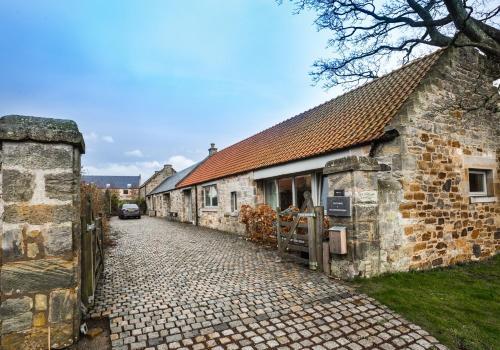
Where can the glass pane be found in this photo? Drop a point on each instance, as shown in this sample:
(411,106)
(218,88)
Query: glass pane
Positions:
(324,191)
(234,205)
(285,192)
(476,182)
(271,197)
(207,197)
(302,184)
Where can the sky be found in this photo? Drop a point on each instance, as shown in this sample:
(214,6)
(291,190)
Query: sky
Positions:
(155,82)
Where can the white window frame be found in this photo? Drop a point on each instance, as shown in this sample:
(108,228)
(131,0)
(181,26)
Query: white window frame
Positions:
(485,182)
(211,198)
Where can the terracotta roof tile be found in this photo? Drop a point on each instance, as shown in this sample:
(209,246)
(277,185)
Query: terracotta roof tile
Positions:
(354,118)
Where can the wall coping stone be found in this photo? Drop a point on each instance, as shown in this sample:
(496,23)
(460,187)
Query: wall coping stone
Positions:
(47,130)
(353,163)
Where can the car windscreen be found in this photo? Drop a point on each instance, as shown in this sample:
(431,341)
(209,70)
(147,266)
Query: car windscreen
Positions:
(130,206)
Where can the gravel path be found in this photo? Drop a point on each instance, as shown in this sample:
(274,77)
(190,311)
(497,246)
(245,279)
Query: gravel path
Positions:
(174,286)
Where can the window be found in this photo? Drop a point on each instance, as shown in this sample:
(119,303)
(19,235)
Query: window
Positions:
(129,185)
(210,196)
(125,191)
(234,201)
(478,182)
(324,191)
(107,185)
(285,188)
(270,194)
(302,184)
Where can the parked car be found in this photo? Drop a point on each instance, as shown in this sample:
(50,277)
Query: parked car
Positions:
(130,211)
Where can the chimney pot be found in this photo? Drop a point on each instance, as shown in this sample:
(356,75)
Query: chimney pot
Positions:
(212,150)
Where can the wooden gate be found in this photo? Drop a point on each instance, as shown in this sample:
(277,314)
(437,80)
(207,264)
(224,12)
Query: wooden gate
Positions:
(92,252)
(302,238)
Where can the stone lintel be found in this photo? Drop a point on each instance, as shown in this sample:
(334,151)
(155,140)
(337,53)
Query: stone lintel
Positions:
(45,130)
(353,163)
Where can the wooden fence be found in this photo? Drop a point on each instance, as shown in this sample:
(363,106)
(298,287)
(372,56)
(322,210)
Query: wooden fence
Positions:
(299,239)
(92,252)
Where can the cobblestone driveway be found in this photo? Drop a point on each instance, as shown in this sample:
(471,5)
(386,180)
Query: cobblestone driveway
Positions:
(172,286)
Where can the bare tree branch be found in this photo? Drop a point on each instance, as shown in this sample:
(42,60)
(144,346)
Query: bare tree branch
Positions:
(367,32)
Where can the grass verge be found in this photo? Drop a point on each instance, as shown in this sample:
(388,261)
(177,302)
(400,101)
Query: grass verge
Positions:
(459,305)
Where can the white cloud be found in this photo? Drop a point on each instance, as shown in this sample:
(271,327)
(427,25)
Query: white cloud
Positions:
(91,136)
(135,153)
(180,162)
(108,139)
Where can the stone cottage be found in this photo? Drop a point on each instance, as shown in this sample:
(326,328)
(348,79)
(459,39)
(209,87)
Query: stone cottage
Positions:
(125,187)
(155,179)
(175,204)
(413,156)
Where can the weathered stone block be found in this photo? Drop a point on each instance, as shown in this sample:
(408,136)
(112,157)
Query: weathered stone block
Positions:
(38,214)
(60,186)
(37,275)
(59,241)
(12,244)
(37,156)
(61,305)
(40,302)
(17,186)
(39,319)
(15,314)
(15,306)
(18,323)
(62,335)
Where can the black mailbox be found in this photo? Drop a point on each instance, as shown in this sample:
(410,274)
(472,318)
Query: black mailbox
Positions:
(339,206)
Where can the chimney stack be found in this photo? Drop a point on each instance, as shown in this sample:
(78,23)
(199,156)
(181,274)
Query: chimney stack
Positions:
(212,150)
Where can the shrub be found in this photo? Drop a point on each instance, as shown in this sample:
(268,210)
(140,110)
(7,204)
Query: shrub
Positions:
(260,222)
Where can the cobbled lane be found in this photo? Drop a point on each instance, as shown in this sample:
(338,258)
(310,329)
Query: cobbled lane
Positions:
(175,286)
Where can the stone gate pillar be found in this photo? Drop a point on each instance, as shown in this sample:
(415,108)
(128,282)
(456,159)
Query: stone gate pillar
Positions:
(39,232)
(357,176)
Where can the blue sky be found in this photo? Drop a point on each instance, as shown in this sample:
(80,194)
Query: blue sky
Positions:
(151,82)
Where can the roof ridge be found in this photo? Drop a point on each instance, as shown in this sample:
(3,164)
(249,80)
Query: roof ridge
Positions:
(351,118)
(405,66)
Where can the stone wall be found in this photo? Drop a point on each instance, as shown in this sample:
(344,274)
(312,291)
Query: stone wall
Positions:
(451,124)
(174,205)
(157,178)
(416,211)
(221,217)
(358,176)
(40,232)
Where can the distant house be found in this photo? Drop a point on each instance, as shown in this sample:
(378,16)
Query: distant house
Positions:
(155,180)
(167,201)
(126,187)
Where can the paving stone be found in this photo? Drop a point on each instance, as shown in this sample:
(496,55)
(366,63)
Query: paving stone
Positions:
(174,286)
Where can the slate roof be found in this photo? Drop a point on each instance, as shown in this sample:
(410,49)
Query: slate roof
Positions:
(354,118)
(115,182)
(171,182)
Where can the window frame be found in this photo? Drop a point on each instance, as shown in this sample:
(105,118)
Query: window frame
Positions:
(484,173)
(205,188)
(314,192)
(234,201)
(125,191)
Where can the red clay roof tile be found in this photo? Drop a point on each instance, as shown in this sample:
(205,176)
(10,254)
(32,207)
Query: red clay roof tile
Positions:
(354,118)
